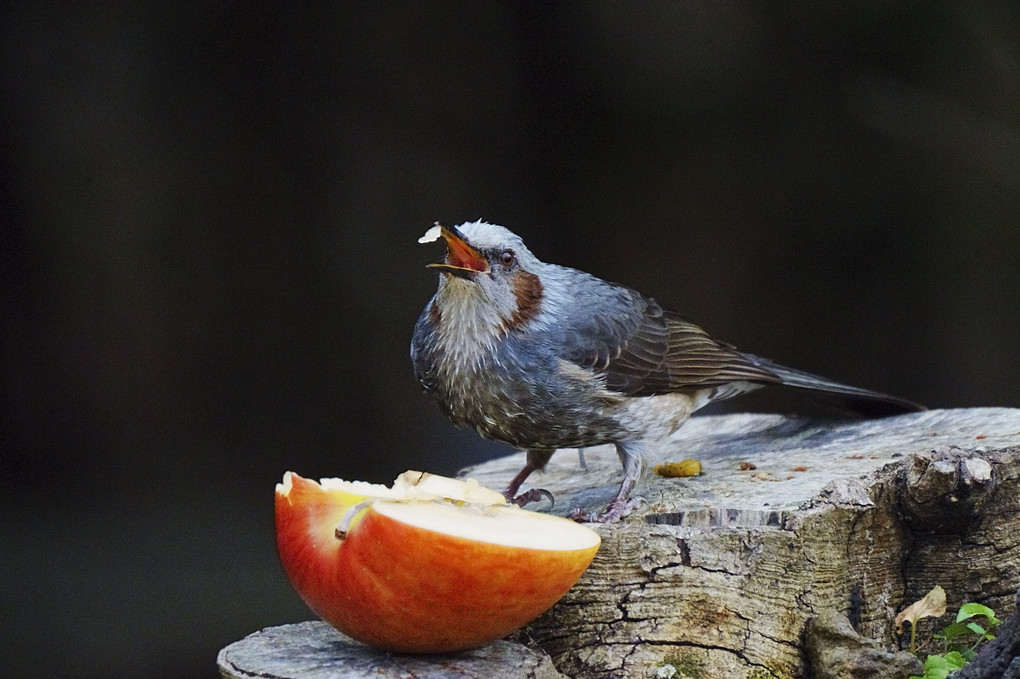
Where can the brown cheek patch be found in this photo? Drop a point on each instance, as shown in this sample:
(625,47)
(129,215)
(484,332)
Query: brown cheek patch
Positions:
(528,291)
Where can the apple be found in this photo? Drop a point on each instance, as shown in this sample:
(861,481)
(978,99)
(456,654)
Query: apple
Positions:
(429,565)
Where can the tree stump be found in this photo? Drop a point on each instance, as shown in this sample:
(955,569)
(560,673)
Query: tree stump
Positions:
(789,556)
(719,574)
(314,650)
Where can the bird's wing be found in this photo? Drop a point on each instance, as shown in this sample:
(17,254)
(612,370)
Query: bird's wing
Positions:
(655,351)
(640,349)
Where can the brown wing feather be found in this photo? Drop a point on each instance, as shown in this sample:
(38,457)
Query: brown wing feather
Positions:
(645,350)
(664,352)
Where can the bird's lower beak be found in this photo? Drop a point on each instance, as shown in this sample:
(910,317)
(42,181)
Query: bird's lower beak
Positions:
(462,260)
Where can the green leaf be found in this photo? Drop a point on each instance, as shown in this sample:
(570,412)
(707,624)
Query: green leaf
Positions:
(976,629)
(971,610)
(952,631)
(955,661)
(935,667)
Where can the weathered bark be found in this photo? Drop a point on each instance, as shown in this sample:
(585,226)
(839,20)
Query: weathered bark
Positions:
(835,650)
(719,575)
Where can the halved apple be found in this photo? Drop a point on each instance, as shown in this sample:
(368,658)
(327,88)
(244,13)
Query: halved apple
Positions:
(430,565)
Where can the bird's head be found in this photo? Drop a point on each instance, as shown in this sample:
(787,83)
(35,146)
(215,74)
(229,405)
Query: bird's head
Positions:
(488,276)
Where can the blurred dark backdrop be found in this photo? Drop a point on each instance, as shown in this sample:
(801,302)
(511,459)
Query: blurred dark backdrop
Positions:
(209,274)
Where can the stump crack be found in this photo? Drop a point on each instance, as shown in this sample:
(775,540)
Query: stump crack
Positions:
(263,675)
(737,653)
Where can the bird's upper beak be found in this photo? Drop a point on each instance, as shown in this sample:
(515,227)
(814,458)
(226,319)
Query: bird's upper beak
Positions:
(462,259)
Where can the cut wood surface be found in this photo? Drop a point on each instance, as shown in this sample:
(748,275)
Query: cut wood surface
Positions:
(795,459)
(792,521)
(314,650)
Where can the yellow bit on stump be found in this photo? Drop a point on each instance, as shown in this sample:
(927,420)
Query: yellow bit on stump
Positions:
(678,469)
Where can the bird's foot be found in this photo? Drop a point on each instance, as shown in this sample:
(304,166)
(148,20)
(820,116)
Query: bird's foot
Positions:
(531,495)
(616,510)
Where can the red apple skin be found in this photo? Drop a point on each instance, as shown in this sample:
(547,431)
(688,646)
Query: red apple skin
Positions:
(407,589)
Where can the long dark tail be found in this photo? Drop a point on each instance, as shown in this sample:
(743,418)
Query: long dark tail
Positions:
(861,401)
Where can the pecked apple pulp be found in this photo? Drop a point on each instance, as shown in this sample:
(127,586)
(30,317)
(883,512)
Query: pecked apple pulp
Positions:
(430,565)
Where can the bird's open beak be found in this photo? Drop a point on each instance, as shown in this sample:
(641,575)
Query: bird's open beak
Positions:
(462,260)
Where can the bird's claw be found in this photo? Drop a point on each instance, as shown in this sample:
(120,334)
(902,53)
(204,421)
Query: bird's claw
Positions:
(613,513)
(533,495)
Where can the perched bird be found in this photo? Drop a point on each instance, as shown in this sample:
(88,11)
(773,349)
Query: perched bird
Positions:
(541,356)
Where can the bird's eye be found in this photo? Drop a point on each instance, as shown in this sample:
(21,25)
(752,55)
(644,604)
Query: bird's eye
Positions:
(507,258)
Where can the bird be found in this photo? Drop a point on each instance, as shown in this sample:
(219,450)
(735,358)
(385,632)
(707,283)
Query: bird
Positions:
(541,357)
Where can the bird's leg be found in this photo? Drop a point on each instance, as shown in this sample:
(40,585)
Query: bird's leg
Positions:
(510,492)
(580,458)
(537,459)
(633,462)
(622,505)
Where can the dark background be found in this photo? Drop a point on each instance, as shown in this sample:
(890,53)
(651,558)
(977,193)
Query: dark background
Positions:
(209,274)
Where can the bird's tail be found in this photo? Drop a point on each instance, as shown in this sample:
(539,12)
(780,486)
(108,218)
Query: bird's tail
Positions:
(861,401)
